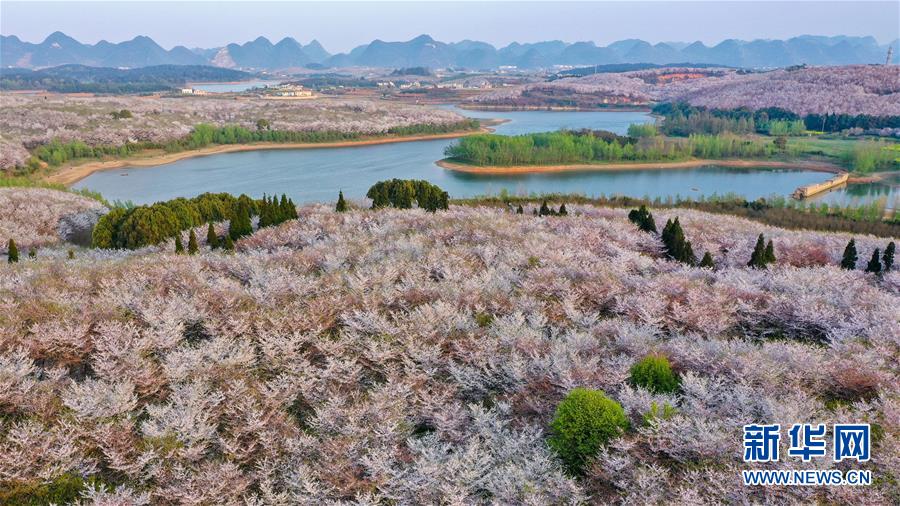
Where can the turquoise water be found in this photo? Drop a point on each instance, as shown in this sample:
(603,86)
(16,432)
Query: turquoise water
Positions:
(886,191)
(317,174)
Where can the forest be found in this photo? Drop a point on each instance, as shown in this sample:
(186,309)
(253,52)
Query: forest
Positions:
(683,119)
(573,147)
(84,79)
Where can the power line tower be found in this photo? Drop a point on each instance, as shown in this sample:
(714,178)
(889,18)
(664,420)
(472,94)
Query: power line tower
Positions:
(887,61)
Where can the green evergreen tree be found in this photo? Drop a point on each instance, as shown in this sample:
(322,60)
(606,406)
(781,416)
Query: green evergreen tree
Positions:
(758,257)
(585,420)
(666,235)
(677,247)
(12,252)
(848,261)
(288,209)
(266,217)
(874,265)
(32,253)
(707,261)
(212,240)
(888,259)
(240,224)
(534,211)
(179,247)
(192,243)
(687,254)
(545,211)
(643,219)
(519,210)
(770,252)
(228,244)
(341,206)
(283,212)
(563,211)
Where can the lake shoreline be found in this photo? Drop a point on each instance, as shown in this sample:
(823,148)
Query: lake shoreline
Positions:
(548,108)
(819,166)
(72,174)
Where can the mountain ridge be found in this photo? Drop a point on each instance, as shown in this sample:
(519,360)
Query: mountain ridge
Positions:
(424,51)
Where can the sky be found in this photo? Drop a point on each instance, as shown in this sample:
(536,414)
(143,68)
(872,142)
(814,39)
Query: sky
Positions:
(340,26)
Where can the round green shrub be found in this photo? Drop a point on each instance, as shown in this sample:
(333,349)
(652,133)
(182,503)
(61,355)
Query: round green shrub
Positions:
(654,372)
(585,420)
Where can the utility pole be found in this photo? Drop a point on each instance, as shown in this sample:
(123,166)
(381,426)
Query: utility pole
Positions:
(887,61)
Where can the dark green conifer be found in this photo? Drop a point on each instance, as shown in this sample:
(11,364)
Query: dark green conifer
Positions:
(545,211)
(192,243)
(687,254)
(179,247)
(677,247)
(341,206)
(758,257)
(643,219)
(519,210)
(229,243)
(12,252)
(266,217)
(288,209)
(212,240)
(874,265)
(534,211)
(888,259)
(240,224)
(848,261)
(707,261)
(563,211)
(666,235)
(770,252)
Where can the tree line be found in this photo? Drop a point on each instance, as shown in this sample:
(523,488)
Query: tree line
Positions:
(567,147)
(682,119)
(878,263)
(401,193)
(138,226)
(56,152)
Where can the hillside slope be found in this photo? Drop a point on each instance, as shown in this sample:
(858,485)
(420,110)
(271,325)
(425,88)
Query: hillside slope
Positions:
(42,217)
(418,358)
(27,121)
(851,89)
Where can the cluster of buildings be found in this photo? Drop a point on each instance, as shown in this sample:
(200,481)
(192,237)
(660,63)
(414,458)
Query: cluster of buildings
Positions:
(288,90)
(451,85)
(285,91)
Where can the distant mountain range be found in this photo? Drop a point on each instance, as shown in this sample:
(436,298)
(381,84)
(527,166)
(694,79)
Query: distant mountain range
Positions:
(424,51)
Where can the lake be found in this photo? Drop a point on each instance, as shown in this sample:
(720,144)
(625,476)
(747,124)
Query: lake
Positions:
(232,87)
(310,175)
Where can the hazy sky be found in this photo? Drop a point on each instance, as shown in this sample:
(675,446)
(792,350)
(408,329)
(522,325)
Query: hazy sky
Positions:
(340,26)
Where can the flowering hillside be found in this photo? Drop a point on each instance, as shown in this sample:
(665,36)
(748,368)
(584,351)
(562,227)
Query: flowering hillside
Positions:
(41,217)
(852,89)
(30,120)
(415,358)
